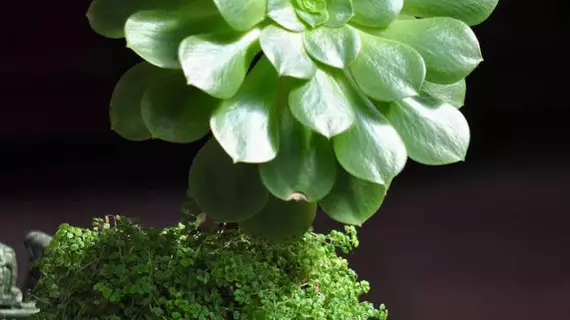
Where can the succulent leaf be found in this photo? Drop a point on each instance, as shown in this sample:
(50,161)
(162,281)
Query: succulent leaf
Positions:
(283,13)
(336,47)
(376,13)
(246,125)
(472,12)
(242,15)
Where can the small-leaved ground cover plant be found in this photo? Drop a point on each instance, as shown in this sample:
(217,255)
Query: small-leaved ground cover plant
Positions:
(304,104)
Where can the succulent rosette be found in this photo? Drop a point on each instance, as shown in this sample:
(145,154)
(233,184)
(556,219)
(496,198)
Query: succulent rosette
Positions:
(309,101)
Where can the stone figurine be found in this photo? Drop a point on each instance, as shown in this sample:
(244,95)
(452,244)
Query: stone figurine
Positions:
(12,305)
(35,242)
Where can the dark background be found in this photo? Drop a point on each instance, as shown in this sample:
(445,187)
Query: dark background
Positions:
(485,239)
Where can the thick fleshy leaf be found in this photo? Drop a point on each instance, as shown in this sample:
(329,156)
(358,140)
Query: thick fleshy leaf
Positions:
(313,12)
(246,125)
(340,12)
(387,70)
(336,47)
(217,63)
(435,133)
(305,167)
(156,35)
(281,221)
(283,12)
(286,52)
(108,17)
(125,109)
(242,15)
(371,149)
(321,104)
(226,191)
(471,12)
(454,93)
(352,200)
(449,47)
(376,13)
(176,112)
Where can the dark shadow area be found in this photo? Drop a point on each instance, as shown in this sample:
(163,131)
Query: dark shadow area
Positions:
(484,239)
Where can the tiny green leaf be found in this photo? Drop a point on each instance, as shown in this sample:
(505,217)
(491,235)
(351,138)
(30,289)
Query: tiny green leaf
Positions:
(305,166)
(281,221)
(246,125)
(175,112)
(242,15)
(340,12)
(435,133)
(217,63)
(387,70)
(226,191)
(125,110)
(376,13)
(108,17)
(283,12)
(352,200)
(371,149)
(286,52)
(472,12)
(454,93)
(448,46)
(313,12)
(156,35)
(321,105)
(336,47)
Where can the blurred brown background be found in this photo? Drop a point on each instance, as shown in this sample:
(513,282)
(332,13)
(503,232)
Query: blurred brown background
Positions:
(485,239)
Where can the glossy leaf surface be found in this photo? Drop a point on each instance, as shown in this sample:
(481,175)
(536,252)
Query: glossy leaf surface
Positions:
(283,12)
(336,47)
(376,13)
(340,12)
(242,15)
(246,125)
(387,70)
(435,133)
(217,63)
(305,167)
(321,105)
(371,149)
(286,52)
(471,12)
(454,93)
(448,46)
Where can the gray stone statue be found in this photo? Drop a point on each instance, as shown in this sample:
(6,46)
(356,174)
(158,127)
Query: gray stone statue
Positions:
(35,242)
(11,304)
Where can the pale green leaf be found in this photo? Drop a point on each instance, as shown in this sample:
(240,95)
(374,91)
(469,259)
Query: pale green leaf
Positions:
(108,17)
(321,104)
(283,12)
(371,149)
(242,15)
(352,200)
(313,12)
(448,46)
(454,93)
(471,12)
(156,35)
(281,221)
(336,47)
(175,112)
(246,125)
(226,191)
(387,70)
(286,52)
(217,63)
(340,12)
(434,132)
(376,13)
(305,167)
(125,109)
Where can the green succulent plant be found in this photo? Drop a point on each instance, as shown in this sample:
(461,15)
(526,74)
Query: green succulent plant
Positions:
(309,101)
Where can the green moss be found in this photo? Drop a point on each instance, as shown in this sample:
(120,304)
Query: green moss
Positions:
(127,271)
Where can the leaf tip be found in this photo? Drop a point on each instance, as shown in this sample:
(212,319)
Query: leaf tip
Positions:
(297,197)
